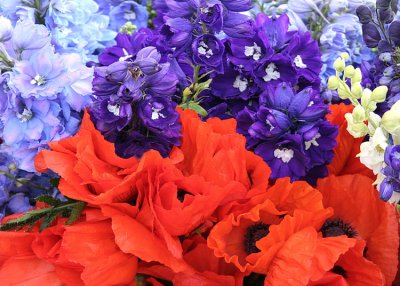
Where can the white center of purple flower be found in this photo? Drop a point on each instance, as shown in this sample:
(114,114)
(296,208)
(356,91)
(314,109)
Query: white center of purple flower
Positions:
(253,51)
(241,84)
(298,61)
(204,50)
(25,115)
(38,80)
(156,114)
(284,154)
(130,15)
(312,142)
(396,155)
(125,56)
(114,109)
(271,127)
(271,73)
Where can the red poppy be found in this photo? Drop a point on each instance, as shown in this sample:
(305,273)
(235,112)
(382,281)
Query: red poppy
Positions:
(82,254)
(359,213)
(345,160)
(90,170)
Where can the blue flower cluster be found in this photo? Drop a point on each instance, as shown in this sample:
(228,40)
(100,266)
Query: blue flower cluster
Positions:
(18,189)
(42,92)
(79,26)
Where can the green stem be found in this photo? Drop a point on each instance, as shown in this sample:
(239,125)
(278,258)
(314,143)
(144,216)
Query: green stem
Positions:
(11,177)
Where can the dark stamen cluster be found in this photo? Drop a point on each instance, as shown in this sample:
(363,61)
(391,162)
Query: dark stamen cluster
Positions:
(253,234)
(337,227)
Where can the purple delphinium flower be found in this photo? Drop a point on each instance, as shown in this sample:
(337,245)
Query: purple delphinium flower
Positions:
(391,183)
(208,52)
(132,103)
(289,131)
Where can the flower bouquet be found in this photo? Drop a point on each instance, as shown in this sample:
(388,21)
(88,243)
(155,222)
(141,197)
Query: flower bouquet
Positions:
(200,142)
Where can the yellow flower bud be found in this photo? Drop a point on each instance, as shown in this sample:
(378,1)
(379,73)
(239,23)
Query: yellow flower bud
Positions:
(391,119)
(343,93)
(349,71)
(379,94)
(333,83)
(356,90)
(339,65)
(345,56)
(366,97)
(357,76)
(359,114)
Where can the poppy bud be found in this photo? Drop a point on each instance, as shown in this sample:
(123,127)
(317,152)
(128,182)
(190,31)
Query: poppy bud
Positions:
(364,14)
(371,35)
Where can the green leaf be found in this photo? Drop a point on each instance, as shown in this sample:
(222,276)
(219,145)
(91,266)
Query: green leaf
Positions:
(49,200)
(76,212)
(49,218)
(31,217)
(196,107)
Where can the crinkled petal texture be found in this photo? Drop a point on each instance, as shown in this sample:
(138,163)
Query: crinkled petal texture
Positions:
(89,168)
(345,161)
(216,152)
(291,252)
(356,201)
(82,254)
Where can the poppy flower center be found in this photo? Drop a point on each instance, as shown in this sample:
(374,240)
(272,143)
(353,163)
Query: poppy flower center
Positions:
(337,227)
(253,234)
(339,270)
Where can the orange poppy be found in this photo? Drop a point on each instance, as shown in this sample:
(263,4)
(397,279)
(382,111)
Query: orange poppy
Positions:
(345,161)
(82,254)
(216,152)
(352,269)
(90,170)
(359,213)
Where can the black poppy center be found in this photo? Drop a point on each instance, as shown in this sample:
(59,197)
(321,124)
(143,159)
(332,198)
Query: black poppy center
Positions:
(337,227)
(181,195)
(339,270)
(253,234)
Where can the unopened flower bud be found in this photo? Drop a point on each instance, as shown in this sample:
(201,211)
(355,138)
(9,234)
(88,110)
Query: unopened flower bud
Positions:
(357,76)
(379,94)
(339,65)
(359,114)
(366,97)
(364,14)
(391,119)
(356,90)
(345,56)
(349,71)
(333,83)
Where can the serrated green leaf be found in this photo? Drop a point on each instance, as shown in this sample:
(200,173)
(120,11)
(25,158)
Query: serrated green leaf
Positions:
(76,212)
(49,218)
(31,217)
(47,199)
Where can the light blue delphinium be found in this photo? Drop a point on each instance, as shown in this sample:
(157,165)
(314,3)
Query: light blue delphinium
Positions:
(128,11)
(77,27)
(344,35)
(42,94)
